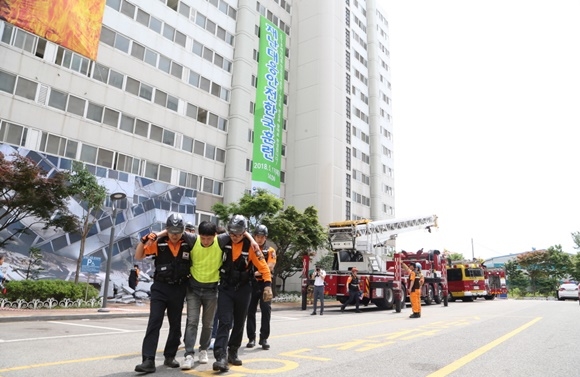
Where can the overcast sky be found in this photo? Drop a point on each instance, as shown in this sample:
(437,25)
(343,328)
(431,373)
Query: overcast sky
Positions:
(486,113)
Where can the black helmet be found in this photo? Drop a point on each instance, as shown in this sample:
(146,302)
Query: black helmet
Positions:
(237,225)
(189,226)
(261,230)
(175,224)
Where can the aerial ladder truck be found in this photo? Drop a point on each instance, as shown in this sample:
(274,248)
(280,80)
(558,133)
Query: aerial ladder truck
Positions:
(364,244)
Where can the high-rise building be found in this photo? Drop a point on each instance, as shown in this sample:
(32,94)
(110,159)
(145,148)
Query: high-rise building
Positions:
(167,110)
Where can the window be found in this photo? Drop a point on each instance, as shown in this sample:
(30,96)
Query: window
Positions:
(198,147)
(128,9)
(141,128)
(111,117)
(95,112)
(220,155)
(132,86)
(156,133)
(88,154)
(101,73)
(168,138)
(187,144)
(76,105)
(57,99)
(189,180)
(138,51)
(142,17)
(127,123)
(116,79)
(26,88)
(122,43)
(105,158)
(7,82)
(209,151)
(127,164)
(12,133)
(191,111)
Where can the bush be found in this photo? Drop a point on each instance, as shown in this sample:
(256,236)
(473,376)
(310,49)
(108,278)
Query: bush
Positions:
(29,290)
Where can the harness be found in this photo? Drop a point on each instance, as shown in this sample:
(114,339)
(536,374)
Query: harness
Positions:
(170,269)
(353,286)
(236,273)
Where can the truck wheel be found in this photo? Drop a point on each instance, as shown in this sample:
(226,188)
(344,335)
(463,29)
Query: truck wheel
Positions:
(386,302)
(429,297)
(489,297)
(439,295)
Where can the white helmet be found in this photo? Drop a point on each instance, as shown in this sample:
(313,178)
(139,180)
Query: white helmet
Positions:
(418,265)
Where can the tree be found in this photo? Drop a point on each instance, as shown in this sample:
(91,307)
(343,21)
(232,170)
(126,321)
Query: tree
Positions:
(515,276)
(255,207)
(537,265)
(85,188)
(26,191)
(34,263)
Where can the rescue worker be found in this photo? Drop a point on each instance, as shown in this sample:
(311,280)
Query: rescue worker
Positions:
(235,292)
(416,281)
(189,227)
(260,235)
(353,285)
(172,271)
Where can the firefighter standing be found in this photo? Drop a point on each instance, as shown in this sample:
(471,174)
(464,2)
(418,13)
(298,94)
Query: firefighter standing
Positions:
(235,292)
(260,235)
(416,281)
(353,285)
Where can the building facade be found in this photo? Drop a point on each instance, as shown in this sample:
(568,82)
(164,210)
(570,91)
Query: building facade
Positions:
(166,111)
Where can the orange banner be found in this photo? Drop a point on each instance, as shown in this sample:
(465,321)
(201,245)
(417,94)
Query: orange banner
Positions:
(74,24)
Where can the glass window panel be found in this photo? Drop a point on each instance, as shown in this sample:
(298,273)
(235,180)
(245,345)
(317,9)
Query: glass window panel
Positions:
(107,36)
(221,33)
(156,133)
(173,4)
(151,170)
(101,73)
(7,82)
(105,158)
(180,38)
(115,4)
(209,151)
(155,25)
(76,105)
(164,64)
(191,111)
(218,60)
(142,17)
(184,9)
(210,26)
(208,54)
(194,78)
(204,84)
(111,117)
(176,70)
(218,188)
(222,124)
(223,7)
(151,57)
(128,9)
(132,86)
(197,48)
(220,155)
(213,120)
(146,92)
(88,154)
(127,123)
(168,138)
(71,149)
(168,32)
(198,147)
(187,144)
(164,174)
(200,20)
(116,79)
(214,3)
(138,51)
(7,35)
(95,112)
(202,115)
(57,99)
(26,88)
(172,103)
(207,185)
(160,97)
(215,89)
(122,43)
(232,13)
(53,144)
(141,128)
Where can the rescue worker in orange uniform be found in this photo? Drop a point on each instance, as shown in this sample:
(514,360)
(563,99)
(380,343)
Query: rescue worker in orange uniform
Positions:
(416,281)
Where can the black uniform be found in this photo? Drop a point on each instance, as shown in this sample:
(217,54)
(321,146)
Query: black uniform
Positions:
(167,293)
(353,293)
(258,285)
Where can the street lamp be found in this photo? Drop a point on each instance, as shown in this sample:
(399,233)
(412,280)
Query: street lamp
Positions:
(114,198)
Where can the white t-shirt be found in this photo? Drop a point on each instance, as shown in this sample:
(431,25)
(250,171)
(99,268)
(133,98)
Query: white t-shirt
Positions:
(319,280)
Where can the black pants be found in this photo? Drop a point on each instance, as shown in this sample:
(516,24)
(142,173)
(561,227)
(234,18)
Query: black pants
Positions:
(353,296)
(265,309)
(232,308)
(168,297)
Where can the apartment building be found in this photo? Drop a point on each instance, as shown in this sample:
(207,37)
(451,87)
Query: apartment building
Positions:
(167,112)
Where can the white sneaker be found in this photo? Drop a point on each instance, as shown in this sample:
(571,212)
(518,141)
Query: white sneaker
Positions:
(211,343)
(203,357)
(188,362)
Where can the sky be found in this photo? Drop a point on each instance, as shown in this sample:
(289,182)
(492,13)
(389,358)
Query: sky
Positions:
(486,115)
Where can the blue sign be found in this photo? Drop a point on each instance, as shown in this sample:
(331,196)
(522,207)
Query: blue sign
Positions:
(91,265)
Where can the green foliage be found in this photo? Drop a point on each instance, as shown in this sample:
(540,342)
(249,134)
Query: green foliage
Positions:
(86,189)
(456,256)
(255,207)
(575,260)
(30,290)
(516,279)
(326,261)
(26,191)
(545,267)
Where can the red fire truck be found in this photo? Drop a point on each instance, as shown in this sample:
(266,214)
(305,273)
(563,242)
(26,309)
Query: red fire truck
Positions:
(495,282)
(466,281)
(364,244)
(433,268)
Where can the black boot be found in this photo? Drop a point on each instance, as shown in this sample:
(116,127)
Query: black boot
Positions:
(147,366)
(415,315)
(251,343)
(171,362)
(221,362)
(264,344)
(233,357)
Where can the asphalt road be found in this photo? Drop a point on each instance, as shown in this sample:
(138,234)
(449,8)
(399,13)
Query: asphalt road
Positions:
(482,338)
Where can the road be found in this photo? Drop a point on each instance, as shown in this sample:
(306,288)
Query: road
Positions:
(482,338)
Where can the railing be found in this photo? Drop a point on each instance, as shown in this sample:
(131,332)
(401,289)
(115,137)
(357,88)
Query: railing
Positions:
(51,304)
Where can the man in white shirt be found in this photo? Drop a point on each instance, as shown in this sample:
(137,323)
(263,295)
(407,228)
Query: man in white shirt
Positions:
(318,276)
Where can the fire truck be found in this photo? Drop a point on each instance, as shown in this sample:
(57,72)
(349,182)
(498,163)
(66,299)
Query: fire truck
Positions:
(364,244)
(433,268)
(466,280)
(495,282)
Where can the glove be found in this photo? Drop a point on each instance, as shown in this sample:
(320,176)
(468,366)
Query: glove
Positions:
(267,295)
(147,237)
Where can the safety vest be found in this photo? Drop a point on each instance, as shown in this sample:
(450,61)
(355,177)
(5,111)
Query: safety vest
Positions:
(353,286)
(237,272)
(172,269)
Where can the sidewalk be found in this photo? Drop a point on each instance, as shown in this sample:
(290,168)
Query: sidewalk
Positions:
(115,310)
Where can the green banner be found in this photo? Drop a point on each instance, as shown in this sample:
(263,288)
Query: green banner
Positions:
(268,119)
